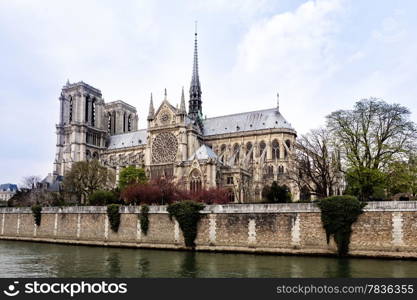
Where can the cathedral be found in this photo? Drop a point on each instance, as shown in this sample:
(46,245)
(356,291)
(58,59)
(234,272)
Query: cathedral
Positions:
(241,152)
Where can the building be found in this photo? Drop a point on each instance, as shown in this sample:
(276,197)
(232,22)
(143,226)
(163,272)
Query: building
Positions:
(7,191)
(241,152)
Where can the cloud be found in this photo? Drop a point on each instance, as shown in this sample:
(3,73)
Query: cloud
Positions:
(291,53)
(320,55)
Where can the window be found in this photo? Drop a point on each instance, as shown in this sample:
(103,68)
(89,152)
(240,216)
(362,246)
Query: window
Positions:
(124,122)
(275,149)
(87,103)
(288,143)
(280,170)
(93,112)
(223,153)
(236,153)
(109,125)
(249,151)
(129,123)
(70,109)
(262,148)
(195,181)
(230,180)
(231,196)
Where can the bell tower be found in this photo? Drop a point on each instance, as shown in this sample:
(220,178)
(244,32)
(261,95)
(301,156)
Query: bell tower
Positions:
(81,131)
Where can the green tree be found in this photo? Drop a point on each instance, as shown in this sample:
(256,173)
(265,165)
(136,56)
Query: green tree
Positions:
(402,176)
(366,183)
(276,193)
(131,175)
(371,135)
(86,177)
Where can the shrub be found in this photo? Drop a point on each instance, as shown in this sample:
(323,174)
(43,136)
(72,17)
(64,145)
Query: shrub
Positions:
(144,219)
(114,216)
(210,196)
(37,214)
(276,193)
(338,213)
(102,198)
(187,213)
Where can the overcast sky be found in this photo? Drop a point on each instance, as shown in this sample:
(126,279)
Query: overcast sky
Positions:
(319,55)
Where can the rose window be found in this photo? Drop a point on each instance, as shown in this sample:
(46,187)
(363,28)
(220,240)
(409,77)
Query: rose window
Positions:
(164,148)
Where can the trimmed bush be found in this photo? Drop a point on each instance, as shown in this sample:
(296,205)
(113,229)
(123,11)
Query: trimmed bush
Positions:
(102,198)
(338,213)
(114,216)
(37,214)
(187,213)
(144,219)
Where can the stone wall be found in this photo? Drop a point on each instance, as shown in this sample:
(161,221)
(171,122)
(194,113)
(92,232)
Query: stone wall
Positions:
(385,229)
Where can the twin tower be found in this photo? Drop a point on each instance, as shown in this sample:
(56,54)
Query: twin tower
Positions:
(86,122)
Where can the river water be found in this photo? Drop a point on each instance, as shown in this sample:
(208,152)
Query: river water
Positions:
(28,259)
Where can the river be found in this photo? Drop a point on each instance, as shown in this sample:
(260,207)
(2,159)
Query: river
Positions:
(27,259)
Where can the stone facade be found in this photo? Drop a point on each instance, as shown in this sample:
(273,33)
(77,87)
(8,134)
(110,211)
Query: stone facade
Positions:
(7,191)
(385,229)
(241,152)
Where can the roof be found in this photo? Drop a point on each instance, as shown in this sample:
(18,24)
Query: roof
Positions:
(8,187)
(53,182)
(130,139)
(204,152)
(248,121)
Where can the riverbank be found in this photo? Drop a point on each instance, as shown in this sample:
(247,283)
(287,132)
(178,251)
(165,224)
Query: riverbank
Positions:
(384,230)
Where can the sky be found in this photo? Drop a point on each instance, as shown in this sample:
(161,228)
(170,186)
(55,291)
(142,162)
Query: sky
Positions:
(319,55)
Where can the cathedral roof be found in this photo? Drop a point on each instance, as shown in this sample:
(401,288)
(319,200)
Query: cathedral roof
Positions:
(248,121)
(130,139)
(204,152)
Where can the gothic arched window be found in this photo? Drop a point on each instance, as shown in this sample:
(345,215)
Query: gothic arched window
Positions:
(93,112)
(236,153)
(87,104)
(262,148)
(275,149)
(70,109)
(249,151)
(129,123)
(195,181)
(223,153)
(288,143)
(124,122)
(270,170)
(109,124)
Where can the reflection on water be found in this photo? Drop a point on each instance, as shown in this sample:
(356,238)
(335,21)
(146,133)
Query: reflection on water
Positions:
(25,259)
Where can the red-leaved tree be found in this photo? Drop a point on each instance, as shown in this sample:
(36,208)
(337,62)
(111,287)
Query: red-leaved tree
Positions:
(163,191)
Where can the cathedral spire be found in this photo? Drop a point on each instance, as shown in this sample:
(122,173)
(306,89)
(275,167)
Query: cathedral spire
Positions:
(151,110)
(182,105)
(165,94)
(277,101)
(195,108)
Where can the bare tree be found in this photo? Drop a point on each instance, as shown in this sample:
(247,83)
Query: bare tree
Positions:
(317,164)
(30,182)
(85,177)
